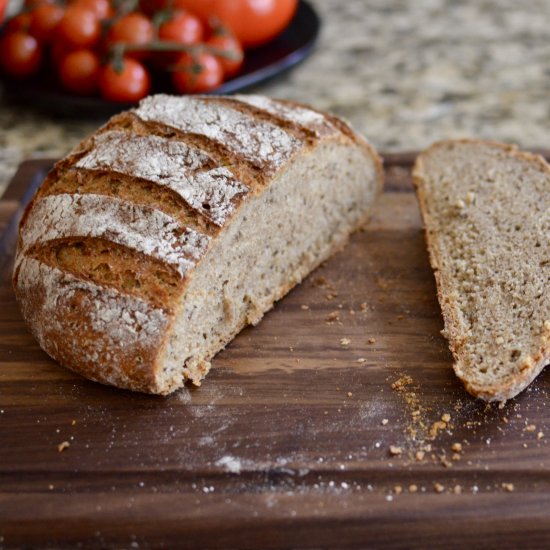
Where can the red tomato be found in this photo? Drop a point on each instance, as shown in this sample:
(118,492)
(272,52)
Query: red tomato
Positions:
(134,28)
(234,55)
(21,22)
(79,72)
(102,8)
(79,27)
(254,22)
(196,75)
(20,54)
(182,28)
(44,20)
(3,4)
(128,85)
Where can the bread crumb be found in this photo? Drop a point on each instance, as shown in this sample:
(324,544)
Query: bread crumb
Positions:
(333,316)
(395,450)
(420,456)
(345,342)
(446,417)
(398,489)
(456,447)
(363,306)
(63,445)
(361,360)
(530,428)
(401,383)
(445,462)
(413,488)
(384,421)
(436,427)
(457,490)
(304,306)
(540,435)
(371,341)
(508,487)
(350,394)
(456,457)
(438,488)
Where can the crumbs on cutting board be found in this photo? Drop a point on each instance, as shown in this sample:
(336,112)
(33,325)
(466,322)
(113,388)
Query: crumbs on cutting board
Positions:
(428,437)
(423,459)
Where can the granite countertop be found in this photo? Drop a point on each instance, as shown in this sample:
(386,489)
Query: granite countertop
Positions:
(404,73)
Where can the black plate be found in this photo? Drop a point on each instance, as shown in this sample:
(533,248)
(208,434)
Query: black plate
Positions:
(287,50)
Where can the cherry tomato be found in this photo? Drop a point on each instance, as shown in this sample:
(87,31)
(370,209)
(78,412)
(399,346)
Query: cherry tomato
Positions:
(130,84)
(79,72)
(44,20)
(182,28)
(253,22)
(102,8)
(234,55)
(20,54)
(21,22)
(79,27)
(135,29)
(195,75)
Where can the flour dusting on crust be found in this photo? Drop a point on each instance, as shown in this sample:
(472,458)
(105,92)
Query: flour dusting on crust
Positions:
(214,192)
(306,118)
(263,144)
(141,228)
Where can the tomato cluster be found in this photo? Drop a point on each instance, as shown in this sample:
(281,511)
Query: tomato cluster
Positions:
(115,48)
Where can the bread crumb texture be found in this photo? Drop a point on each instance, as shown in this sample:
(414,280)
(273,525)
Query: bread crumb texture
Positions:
(486,209)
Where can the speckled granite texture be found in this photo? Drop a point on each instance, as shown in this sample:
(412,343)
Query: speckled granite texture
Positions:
(404,72)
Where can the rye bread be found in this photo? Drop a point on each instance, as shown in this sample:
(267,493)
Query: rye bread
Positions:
(178,223)
(486,211)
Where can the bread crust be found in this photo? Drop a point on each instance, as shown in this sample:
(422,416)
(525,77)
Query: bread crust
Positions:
(534,363)
(102,328)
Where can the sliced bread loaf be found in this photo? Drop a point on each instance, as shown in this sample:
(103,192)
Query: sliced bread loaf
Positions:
(163,234)
(486,210)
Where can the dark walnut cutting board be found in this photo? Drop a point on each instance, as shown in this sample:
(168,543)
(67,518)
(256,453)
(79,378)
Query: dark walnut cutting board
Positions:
(336,422)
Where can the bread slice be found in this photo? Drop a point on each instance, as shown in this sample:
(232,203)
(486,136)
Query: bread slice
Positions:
(163,234)
(486,210)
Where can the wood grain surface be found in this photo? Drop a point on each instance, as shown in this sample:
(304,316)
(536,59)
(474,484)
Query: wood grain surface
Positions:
(337,422)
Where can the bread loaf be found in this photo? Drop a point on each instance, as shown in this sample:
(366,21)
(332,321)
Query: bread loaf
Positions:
(486,208)
(163,234)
